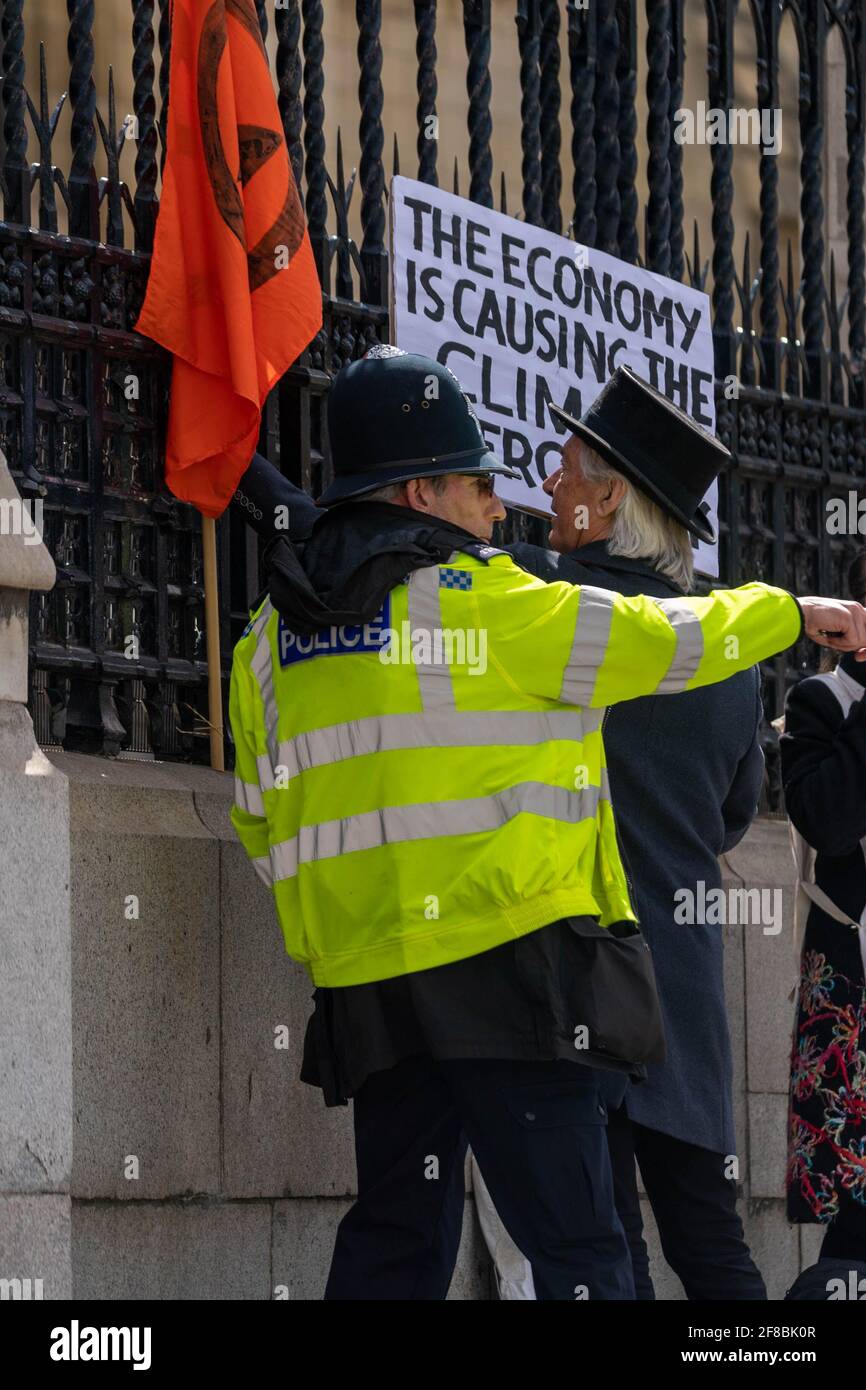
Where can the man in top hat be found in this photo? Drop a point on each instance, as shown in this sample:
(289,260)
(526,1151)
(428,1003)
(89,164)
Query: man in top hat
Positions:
(685,776)
(421,781)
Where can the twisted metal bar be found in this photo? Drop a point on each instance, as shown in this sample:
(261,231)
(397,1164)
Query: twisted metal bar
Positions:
(287,20)
(262,13)
(768,100)
(425,52)
(811,193)
(856,207)
(14,106)
(720,65)
(314,124)
(144,110)
(530,111)
(675,150)
(605,129)
(83,219)
(164,38)
(551,139)
(581,66)
(476,27)
(369,17)
(626,73)
(658,46)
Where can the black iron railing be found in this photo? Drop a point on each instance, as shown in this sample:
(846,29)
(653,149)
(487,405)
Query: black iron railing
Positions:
(117,651)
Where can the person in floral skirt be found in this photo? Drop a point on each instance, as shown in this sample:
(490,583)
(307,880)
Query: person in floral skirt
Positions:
(824,776)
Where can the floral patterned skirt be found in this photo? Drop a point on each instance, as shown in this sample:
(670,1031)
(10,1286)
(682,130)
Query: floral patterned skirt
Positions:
(827,1111)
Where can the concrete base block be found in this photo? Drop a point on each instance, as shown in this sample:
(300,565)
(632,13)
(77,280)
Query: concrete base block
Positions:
(145,986)
(768,1152)
(303,1244)
(763,861)
(35,1011)
(280,1139)
(811,1238)
(735,996)
(172,1250)
(35,1246)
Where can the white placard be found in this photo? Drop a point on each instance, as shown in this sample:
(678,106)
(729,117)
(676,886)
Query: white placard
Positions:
(524,317)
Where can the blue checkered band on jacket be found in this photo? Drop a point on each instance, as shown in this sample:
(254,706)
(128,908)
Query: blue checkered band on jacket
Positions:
(454,579)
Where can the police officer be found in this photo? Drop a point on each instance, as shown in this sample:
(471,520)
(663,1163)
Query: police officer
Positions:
(420,777)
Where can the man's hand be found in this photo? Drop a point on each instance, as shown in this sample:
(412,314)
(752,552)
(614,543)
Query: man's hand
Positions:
(837,623)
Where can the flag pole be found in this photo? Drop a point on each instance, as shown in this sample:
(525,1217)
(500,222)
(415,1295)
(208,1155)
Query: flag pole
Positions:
(212,631)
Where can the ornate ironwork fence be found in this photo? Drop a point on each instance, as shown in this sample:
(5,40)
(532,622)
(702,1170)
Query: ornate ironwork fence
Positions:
(117,654)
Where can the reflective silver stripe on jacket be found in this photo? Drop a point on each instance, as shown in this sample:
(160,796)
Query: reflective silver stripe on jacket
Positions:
(249,797)
(391,732)
(262,668)
(425,612)
(591,635)
(432,820)
(690,644)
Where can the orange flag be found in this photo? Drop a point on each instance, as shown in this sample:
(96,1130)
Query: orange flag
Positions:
(233,291)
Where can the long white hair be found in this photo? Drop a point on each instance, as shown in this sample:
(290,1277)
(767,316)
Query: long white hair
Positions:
(640,530)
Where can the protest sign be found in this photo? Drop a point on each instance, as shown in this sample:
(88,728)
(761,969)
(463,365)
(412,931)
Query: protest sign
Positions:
(524,317)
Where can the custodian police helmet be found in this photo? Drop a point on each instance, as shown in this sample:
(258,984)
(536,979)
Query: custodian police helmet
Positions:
(396,415)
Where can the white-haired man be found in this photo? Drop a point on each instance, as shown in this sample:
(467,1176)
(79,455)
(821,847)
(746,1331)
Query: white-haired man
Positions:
(685,776)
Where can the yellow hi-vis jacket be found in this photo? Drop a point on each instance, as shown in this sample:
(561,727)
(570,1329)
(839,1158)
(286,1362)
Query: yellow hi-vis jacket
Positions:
(433,784)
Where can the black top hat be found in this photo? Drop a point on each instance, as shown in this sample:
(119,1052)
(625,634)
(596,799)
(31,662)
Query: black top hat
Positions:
(657,446)
(396,415)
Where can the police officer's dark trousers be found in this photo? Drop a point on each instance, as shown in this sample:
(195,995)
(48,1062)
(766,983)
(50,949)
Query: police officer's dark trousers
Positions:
(537,1129)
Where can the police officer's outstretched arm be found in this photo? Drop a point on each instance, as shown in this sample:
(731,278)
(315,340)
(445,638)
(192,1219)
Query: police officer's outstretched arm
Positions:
(586,646)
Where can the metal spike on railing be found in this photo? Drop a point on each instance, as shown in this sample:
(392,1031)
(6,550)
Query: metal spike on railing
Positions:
(341,244)
(835,316)
(456,179)
(793,350)
(697,273)
(747,292)
(503,200)
(112,187)
(45,124)
(395,170)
